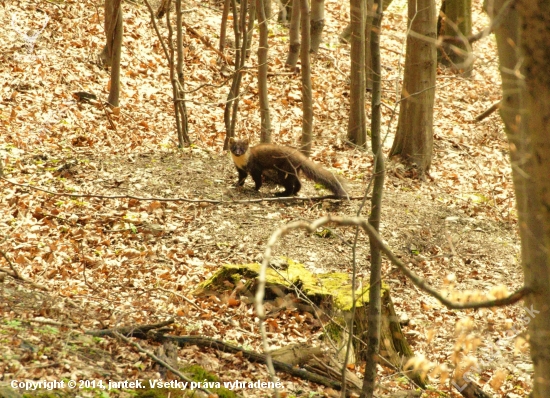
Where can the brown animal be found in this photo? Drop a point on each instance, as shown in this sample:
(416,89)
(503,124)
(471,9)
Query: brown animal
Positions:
(287,162)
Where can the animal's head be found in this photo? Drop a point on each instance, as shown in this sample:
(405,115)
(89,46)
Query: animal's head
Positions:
(238,147)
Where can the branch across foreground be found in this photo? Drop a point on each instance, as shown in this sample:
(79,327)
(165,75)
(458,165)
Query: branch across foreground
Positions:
(146,332)
(212,201)
(371,232)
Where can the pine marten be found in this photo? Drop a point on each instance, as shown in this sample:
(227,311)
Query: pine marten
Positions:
(286,161)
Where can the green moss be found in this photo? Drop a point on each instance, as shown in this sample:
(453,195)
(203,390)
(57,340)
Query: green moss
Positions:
(318,287)
(197,373)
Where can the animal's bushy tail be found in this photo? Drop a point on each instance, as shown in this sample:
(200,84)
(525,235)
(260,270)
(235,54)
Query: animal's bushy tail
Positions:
(319,174)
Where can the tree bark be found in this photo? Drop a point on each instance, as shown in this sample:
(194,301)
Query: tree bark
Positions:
(114,32)
(232,103)
(523,39)
(317,23)
(414,138)
(357,132)
(294,35)
(223,25)
(307,105)
(371,11)
(265,134)
(455,21)
(375,311)
(242,60)
(181,108)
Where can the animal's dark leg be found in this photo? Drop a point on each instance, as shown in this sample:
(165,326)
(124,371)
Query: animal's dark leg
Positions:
(257,177)
(242,177)
(297,186)
(289,183)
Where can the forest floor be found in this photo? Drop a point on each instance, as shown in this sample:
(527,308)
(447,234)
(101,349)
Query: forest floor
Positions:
(101,262)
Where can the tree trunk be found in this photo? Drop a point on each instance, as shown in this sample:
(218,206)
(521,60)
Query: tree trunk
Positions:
(455,21)
(223,27)
(317,24)
(267,9)
(114,33)
(357,132)
(371,11)
(307,105)
(250,32)
(373,333)
(414,138)
(294,35)
(524,39)
(180,108)
(242,58)
(346,32)
(265,134)
(232,103)
(285,11)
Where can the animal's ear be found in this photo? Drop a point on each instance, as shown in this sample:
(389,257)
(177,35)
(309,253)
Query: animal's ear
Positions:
(245,141)
(231,140)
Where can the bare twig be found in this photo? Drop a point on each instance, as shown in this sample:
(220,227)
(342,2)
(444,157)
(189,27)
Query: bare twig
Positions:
(15,275)
(46,321)
(371,232)
(488,112)
(139,330)
(213,201)
(159,361)
(206,42)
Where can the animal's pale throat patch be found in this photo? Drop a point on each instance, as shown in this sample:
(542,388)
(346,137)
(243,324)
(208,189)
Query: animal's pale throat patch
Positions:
(241,161)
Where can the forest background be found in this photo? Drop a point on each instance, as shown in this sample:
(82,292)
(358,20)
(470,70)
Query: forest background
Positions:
(107,262)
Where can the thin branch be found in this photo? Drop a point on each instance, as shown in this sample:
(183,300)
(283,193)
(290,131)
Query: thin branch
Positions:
(206,42)
(46,321)
(159,361)
(138,331)
(15,275)
(488,112)
(371,232)
(213,201)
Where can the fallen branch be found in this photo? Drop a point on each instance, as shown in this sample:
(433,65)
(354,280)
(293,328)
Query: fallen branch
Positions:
(252,356)
(131,331)
(206,42)
(485,114)
(371,232)
(159,361)
(212,201)
(15,275)
(46,321)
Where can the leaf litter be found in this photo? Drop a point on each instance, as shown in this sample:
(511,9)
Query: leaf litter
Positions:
(110,262)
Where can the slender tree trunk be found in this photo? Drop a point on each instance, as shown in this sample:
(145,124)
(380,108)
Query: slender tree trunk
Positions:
(346,32)
(285,11)
(173,79)
(317,23)
(250,32)
(414,138)
(357,132)
(223,28)
(231,105)
(242,59)
(524,39)
(183,132)
(176,72)
(265,134)
(114,33)
(307,105)
(371,11)
(241,44)
(267,9)
(375,306)
(294,35)
(455,21)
